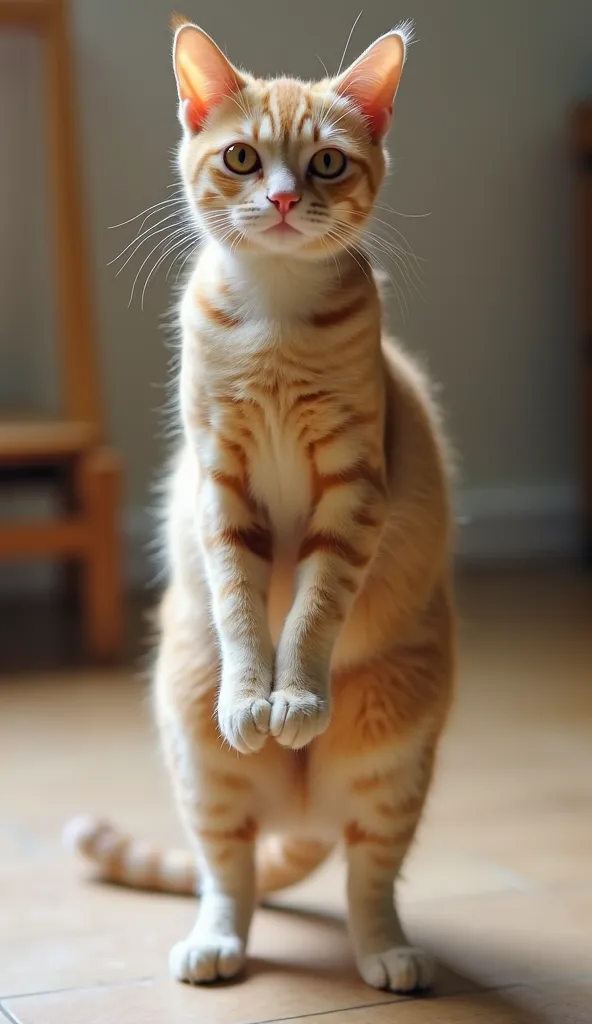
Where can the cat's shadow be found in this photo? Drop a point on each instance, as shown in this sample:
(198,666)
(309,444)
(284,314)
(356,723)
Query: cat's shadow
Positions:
(494,1005)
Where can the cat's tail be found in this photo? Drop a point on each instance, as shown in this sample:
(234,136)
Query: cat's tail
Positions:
(124,860)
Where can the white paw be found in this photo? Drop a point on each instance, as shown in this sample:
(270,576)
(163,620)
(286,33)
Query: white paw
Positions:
(400,969)
(208,959)
(296,718)
(245,723)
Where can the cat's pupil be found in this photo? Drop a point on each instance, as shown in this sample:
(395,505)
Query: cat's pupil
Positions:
(242,156)
(327,160)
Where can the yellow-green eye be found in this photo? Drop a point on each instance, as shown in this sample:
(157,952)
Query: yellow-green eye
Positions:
(242,159)
(328,163)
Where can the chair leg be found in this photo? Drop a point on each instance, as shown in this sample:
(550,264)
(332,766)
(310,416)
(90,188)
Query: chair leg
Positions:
(102,584)
(70,568)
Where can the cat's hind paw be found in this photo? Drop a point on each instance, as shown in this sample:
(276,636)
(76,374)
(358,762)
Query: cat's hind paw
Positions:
(244,723)
(400,969)
(297,717)
(198,962)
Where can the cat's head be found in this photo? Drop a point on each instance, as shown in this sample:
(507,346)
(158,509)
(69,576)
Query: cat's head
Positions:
(284,166)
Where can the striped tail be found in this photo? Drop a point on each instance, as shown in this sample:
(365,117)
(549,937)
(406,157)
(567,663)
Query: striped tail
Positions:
(125,861)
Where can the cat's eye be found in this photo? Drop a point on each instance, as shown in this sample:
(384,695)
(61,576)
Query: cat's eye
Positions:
(242,159)
(328,163)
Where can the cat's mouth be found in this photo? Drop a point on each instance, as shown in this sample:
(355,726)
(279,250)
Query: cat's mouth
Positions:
(283,228)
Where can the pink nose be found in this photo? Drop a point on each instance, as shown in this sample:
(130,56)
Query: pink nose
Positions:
(284,201)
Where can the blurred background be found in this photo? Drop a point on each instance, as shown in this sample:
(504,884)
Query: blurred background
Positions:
(492,187)
(481,153)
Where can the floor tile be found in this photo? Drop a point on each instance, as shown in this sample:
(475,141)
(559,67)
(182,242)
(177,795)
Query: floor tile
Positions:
(148,1003)
(498,885)
(518,1005)
(285,993)
(508,938)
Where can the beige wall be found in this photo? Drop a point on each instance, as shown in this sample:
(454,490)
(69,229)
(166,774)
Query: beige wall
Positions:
(479,143)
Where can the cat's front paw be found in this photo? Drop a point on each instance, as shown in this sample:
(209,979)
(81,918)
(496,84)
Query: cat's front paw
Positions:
(244,722)
(211,958)
(297,716)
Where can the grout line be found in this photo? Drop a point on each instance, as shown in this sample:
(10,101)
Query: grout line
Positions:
(77,988)
(394,1002)
(6,1013)
(482,990)
(338,1009)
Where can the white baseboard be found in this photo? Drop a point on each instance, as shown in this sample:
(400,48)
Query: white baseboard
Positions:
(527,523)
(494,524)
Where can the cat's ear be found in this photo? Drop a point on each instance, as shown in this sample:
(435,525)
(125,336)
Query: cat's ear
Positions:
(373,79)
(204,75)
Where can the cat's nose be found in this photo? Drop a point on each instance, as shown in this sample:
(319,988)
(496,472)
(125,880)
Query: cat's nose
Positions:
(284,201)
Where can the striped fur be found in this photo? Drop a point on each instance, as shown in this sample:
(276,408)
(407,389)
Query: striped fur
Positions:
(125,861)
(307,634)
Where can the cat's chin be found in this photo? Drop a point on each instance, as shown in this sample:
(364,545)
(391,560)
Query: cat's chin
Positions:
(282,240)
(290,245)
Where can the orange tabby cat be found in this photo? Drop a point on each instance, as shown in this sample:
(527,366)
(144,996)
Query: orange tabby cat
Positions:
(307,650)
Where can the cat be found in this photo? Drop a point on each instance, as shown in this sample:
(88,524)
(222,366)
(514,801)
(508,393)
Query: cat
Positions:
(307,635)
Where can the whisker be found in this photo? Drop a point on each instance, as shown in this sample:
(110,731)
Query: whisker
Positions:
(376,242)
(335,260)
(323,64)
(408,270)
(160,259)
(164,202)
(193,243)
(188,257)
(372,218)
(408,282)
(400,233)
(238,239)
(344,238)
(241,106)
(163,241)
(338,131)
(398,213)
(173,202)
(349,38)
(326,112)
(141,238)
(394,251)
(340,239)
(149,235)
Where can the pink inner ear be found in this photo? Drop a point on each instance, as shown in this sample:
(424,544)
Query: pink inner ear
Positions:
(204,75)
(377,113)
(372,81)
(194,114)
(379,118)
(376,104)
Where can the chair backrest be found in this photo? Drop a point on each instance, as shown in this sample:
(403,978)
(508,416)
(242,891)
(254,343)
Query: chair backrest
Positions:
(77,356)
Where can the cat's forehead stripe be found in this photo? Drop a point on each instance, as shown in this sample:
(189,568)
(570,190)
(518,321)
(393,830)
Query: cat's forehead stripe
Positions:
(286,112)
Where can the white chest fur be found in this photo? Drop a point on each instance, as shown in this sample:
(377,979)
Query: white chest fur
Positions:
(280,473)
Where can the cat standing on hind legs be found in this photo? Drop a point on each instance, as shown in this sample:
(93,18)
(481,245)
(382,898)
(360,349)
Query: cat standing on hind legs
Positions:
(309,606)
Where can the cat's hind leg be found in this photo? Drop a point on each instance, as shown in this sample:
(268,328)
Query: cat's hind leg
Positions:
(377,837)
(378,754)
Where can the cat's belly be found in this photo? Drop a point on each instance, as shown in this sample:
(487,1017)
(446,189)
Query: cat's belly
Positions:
(280,480)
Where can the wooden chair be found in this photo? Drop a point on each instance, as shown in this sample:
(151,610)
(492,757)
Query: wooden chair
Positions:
(67,452)
(582,147)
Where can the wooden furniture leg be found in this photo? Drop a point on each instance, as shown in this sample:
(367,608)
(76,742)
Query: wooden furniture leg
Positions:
(582,142)
(69,505)
(102,585)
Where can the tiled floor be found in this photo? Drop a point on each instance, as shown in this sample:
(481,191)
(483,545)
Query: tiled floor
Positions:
(499,885)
